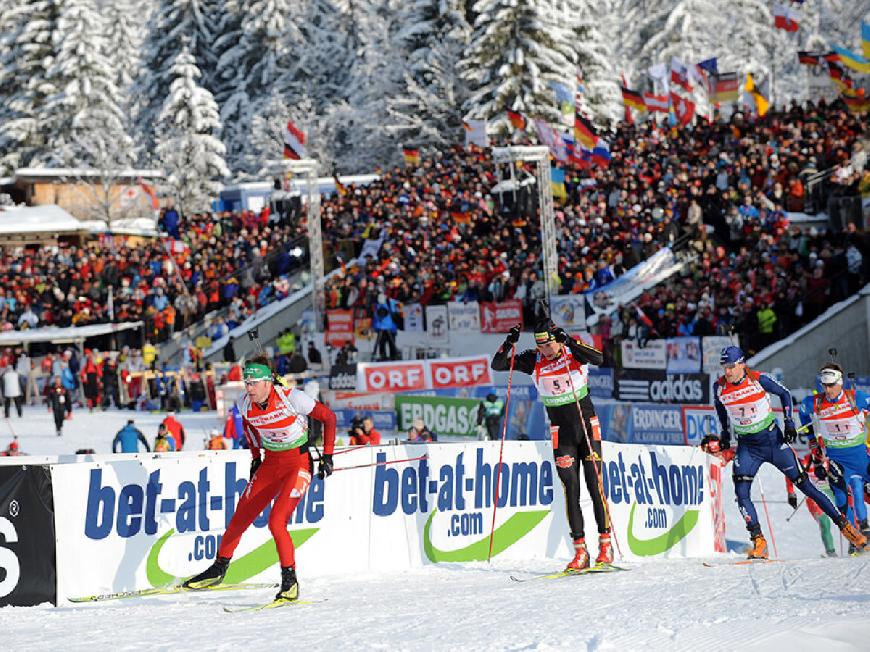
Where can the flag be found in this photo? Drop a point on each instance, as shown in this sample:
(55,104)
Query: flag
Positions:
(643,317)
(601,153)
(786,18)
(726,88)
(865,39)
(656,103)
(839,76)
(683,109)
(809,58)
(475,133)
(658,71)
(831,57)
(551,138)
(557,183)
(564,97)
(294,142)
(856,62)
(517,119)
(152,195)
(584,132)
(680,75)
(411,156)
(340,188)
(762,106)
(633,99)
(856,102)
(711,66)
(699,74)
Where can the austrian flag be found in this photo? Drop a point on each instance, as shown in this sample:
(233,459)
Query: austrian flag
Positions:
(294,142)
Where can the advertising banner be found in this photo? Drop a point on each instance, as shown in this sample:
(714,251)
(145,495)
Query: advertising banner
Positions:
(641,424)
(436,324)
(661,387)
(660,500)
(342,376)
(339,329)
(27,559)
(654,355)
(500,317)
(569,311)
(413,315)
(600,382)
(443,416)
(711,347)
(420,375)
(698,422)
(464,317)
(684,354)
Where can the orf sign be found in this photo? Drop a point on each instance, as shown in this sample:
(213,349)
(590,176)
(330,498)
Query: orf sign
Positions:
(460,372)
(394,377)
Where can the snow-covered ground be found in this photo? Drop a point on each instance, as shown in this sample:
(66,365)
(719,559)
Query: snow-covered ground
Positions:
(802,603)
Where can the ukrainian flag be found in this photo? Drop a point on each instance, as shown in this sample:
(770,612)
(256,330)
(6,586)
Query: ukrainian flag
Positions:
(557,182)
(854,61)
(865,39)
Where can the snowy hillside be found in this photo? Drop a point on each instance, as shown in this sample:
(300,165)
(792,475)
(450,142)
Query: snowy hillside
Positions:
(802,603)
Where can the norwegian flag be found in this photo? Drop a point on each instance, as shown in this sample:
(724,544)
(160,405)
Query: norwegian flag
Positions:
(294,142)
(683,109)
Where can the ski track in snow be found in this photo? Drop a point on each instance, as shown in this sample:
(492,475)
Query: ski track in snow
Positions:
(805,603)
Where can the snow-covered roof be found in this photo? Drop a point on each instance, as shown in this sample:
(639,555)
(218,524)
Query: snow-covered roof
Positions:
(61,335)
(54,173)
(47,218)
(144,226)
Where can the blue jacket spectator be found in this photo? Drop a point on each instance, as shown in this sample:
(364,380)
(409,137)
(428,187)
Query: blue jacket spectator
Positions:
(128,439)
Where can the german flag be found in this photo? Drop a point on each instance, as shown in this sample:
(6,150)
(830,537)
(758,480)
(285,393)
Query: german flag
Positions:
(838,75)
(517,119)
(809,58)
(726,87)
(831,57)
(340,188)
(584,132)
(411,156)
(856,101)
(633,99)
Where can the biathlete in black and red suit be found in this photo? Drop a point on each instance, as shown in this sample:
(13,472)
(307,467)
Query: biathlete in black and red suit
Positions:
(562,383)
(275,420)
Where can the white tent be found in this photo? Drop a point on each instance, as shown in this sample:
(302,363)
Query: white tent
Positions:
(45,219)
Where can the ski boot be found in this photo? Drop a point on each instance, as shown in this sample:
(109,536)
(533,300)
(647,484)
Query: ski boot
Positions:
(605,549)
(211,576)
(856,540)
(830,553)
(865,528)
(289,586)
(581,556)
(758,547)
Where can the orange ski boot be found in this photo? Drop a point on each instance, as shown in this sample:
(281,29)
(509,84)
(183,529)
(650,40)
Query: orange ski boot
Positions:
(758,547)
(581,556)
(858,540)
(605,549)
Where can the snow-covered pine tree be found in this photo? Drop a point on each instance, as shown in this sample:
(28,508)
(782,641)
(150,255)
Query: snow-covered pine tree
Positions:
(263,55)
(516,50)
(430,108)
(173,23)
(26,54)
(592,34)
(329,32)
(83,115)
(124,34)
(192,157)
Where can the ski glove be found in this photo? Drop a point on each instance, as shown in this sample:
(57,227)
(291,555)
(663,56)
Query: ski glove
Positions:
(325,466)
(790,434)
(255,464)
(712,444)
(559,335)
(513,336)
(792,501)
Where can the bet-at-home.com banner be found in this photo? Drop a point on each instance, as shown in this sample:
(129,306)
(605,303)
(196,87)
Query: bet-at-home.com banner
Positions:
(141,522)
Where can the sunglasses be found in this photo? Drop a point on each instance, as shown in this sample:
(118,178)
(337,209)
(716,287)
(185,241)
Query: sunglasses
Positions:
(252,382)
(730,365)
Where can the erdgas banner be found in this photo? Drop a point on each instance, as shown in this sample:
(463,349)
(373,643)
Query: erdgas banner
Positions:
(142,521)
(443,416)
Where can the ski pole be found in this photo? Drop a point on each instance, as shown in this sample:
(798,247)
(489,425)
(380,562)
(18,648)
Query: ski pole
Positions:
(767,516)
(594,456)
(796,509)
(507,410)
(365,466)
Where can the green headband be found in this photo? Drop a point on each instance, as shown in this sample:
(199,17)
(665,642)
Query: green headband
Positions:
(543,338)
(254,371)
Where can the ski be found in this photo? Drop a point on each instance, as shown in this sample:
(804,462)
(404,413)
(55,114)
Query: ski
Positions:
(169,590)
(274,604)
(597,568)
(742,562)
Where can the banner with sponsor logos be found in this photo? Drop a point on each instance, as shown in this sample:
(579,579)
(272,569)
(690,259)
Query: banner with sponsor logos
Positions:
(653,355)
(600,382)
(436,324)
(569,311)
(684,354)
(463,317)
(339,327)
(711,349)
(342,376)
(662,387)
(442,415)
(630,285)
(413,316)
(27,551)
(645,423)
(500,317)
(416,375)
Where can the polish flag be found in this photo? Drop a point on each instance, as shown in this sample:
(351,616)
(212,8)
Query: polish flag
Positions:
(785,18)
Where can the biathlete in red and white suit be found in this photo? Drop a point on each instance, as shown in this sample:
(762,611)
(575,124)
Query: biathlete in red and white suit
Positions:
(275,420)
(562,384)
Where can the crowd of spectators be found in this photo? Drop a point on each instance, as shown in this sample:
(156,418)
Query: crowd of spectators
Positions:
(235,261)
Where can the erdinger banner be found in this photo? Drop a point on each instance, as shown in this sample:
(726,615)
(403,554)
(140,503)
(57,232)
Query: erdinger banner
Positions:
(27,563)
(419,375)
